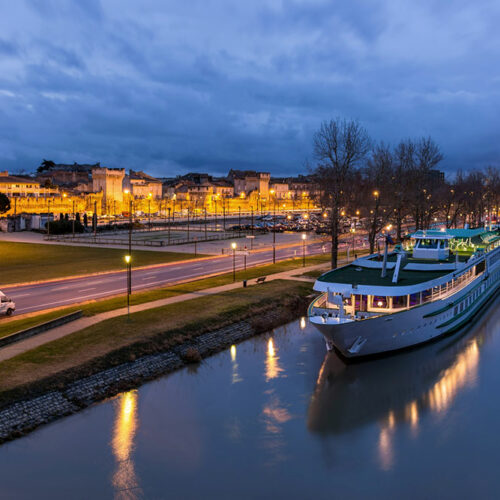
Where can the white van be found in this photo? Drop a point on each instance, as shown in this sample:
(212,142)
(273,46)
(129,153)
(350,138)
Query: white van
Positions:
(7,305)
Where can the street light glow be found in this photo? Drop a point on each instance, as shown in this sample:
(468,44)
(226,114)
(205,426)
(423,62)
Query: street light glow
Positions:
(128,258)
(304,236)
(233,246)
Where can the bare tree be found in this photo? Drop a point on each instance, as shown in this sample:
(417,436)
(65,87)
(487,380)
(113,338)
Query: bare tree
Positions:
(427,156)
(403,165)
(339,146)
(377,192)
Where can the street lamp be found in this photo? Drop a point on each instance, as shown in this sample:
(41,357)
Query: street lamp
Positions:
(353,231)
(149,210)
(274,232)
(304,236)
(128,260)
(233,246)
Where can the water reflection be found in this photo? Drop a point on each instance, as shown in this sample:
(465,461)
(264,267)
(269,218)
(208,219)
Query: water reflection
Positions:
(397,389)
(125,481)
(273,368)
(274,412)
(235,377)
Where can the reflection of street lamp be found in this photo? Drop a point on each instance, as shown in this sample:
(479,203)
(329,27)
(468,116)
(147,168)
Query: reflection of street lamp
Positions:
(233,246)
(304,236)
(128,260)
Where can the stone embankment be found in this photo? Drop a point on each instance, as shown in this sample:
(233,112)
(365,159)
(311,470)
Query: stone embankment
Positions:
(22,417)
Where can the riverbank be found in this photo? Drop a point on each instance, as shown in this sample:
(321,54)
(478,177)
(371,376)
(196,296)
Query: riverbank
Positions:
(72,373)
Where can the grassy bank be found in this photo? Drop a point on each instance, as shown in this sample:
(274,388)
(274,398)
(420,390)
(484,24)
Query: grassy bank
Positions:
(103,305)
(22,262)
(117,340)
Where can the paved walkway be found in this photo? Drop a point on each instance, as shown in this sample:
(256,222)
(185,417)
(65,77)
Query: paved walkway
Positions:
(61,331)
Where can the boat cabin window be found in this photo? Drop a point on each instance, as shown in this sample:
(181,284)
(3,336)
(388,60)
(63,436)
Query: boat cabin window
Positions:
(380,302)
(427,243)
(399,301)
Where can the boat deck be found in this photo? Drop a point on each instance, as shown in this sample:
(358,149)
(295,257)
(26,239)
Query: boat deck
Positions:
(353,274)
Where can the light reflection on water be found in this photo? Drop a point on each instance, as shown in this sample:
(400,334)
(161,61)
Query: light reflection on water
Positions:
(125,481)
(276,416)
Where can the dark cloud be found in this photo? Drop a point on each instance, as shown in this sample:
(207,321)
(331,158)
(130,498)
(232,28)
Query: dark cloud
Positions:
(210,85)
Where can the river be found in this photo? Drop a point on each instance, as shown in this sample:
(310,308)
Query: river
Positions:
(277,417)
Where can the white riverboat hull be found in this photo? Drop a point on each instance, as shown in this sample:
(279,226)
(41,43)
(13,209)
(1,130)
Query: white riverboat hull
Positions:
(408,328)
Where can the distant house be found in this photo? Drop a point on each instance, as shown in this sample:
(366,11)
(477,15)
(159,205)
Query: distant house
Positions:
(17,186)
(248,181)
(142,185)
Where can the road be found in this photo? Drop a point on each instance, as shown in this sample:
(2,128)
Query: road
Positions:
(65,292)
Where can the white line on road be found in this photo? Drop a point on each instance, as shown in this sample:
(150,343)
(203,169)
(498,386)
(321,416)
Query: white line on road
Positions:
(87,289)
(149,278)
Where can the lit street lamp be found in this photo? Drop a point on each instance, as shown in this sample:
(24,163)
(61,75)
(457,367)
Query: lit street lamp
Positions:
(353,231)
(233,246)
(128,260)
(304,236)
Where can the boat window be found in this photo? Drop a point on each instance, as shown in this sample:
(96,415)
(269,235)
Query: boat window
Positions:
(427,295)
(379,301)
(428,243)
(414,299)
(399,301)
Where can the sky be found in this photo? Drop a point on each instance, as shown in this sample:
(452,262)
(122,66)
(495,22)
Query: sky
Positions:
(171,87)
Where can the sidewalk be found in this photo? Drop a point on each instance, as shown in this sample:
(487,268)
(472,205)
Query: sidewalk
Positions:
(61,331)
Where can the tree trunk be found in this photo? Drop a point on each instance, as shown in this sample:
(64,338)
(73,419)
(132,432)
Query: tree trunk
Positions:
(335,234)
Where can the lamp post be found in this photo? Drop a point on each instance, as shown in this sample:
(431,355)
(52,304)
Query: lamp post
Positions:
(149,211)
(274,233)
(74,215)
(304,236)
(48,217)
(239,221)
(169,224)
(233,246)
(128,260)
(206,223)
(353,231)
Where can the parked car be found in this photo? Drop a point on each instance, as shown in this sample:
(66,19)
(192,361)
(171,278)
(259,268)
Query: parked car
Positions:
(7,305)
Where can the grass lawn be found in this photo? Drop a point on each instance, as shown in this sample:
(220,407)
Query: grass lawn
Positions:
(22,262)
(103,305)
(154,328)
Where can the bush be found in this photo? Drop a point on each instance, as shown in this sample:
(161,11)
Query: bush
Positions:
(64,227)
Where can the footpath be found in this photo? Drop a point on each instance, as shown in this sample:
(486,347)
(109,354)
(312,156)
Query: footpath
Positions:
(69,328)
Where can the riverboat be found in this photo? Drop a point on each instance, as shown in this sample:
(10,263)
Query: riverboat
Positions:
(383,303)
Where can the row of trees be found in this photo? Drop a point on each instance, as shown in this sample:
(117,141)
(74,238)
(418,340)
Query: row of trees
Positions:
(383,184)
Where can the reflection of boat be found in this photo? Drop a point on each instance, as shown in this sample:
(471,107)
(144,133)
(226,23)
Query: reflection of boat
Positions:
(398,388)
(375,305)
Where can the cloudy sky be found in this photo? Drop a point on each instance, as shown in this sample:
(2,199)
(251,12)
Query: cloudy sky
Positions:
(172,86)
